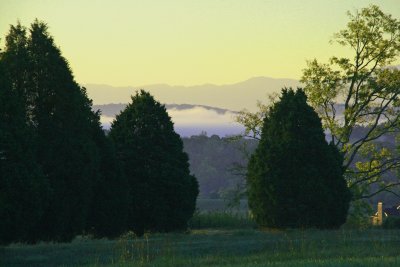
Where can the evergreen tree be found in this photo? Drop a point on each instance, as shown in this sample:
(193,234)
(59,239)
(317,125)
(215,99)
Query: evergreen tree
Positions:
(23,189)
(295,179)
(62,117)
(108,213)
(16,66)
(151,153)
(86,189)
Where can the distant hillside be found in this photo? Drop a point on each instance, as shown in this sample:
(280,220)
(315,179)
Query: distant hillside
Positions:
(231,96)
(212,161)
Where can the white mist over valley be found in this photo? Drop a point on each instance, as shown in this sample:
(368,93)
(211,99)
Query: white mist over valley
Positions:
(194,109)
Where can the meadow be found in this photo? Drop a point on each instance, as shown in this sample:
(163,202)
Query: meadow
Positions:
(218,238)
(210,247)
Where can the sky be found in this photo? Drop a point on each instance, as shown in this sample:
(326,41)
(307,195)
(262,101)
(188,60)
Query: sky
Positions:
(188,42)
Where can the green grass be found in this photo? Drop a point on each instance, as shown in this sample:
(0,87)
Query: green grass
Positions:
(212,247)
(220,205)
(221,220)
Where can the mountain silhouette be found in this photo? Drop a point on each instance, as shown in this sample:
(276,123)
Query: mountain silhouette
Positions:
(237,96)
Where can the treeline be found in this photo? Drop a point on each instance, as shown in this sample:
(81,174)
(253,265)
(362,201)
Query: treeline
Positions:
(60,174)
(218,163)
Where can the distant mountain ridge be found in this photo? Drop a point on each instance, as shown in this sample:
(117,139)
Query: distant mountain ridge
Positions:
(237,96)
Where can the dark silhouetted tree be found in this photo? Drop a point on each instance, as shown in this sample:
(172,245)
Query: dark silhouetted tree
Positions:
(111,201)
(62,116)
(295,178)
(162,189)
(59,113)
(87,190)
(16,66)
(23,189)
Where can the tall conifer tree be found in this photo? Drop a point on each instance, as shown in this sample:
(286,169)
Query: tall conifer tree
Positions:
(87,190)
(23,188)
(162,189)
(66,134)
(61,114)
(111,201)
(295,178)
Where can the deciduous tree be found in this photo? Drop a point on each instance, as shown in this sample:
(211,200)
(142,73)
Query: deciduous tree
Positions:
(352,92)
(361,90)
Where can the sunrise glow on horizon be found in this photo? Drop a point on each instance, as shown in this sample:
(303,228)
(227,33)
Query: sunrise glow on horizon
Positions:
(178,42)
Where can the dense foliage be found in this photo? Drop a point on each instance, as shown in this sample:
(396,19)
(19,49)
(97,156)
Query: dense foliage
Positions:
(295,179)
(23,189)
(61,115)
(110,202)
(60,174)
(163,191)
(356,90)
(56,160)
(366,92)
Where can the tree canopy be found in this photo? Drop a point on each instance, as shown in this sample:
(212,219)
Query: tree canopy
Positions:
(61,115)
(48,121)
(365,90)
(295,178)
(151,153)
(359,92)
(23,188)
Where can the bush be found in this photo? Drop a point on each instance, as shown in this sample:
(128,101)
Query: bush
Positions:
(391,223)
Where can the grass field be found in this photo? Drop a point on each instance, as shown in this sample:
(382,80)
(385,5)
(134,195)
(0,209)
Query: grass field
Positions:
(210,247)
(220,205)
(219,237)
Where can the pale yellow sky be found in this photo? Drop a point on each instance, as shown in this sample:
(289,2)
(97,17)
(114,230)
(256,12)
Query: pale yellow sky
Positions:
(188,42)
